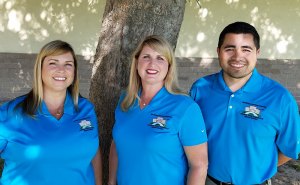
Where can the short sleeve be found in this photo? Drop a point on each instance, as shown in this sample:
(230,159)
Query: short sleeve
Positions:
(288,139)
(192,130)
(3,112)
(193,92)
(94,120)
(3,115)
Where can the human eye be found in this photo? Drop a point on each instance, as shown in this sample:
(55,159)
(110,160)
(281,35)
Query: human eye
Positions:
(69,64)
(247,50)
(51,63)
(144,58)
(160,58)
(228,49)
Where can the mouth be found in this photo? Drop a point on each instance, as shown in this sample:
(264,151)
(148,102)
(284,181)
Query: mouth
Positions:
(237,65)
(151,71)
(59,78)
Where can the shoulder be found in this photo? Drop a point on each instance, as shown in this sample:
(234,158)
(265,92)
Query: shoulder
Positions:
(205,81)
(84,103)
(10,106)
(183,101)
(275,87)
(202,85)
(277,92)
(13,103)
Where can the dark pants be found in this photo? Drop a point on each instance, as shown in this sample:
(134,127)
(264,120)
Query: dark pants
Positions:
(210,182)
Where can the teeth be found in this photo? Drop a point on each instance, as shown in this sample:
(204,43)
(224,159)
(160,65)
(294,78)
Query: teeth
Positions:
(237,65)
(151,71)
(59,78)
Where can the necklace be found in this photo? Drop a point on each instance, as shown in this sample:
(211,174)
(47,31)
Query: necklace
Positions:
(59,112)
(143,103)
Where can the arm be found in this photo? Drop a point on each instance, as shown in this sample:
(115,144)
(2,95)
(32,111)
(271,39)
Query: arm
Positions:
(282,159)
(113,164)
(198,162)
(97,165)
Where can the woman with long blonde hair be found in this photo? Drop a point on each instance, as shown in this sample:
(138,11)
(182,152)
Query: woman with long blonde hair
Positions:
(50,135)
(159,135)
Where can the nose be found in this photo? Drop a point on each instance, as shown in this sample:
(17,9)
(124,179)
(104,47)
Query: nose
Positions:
(237,53)
(152,61)
(60,68)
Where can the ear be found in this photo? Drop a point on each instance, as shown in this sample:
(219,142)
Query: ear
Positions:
(218,50)
(258,52)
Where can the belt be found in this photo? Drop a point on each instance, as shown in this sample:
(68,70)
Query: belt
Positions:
(217,182)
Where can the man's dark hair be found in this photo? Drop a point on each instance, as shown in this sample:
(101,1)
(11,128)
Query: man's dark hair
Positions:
(240,28)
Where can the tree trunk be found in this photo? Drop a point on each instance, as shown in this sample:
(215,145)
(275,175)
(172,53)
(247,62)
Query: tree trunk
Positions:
(125,23)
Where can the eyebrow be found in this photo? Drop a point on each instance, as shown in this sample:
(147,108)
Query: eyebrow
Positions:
(58,60)
(53,59)
(233,46)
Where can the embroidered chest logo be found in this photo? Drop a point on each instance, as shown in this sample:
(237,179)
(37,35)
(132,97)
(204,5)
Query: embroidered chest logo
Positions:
(253,111)
(159,123)
(85,125)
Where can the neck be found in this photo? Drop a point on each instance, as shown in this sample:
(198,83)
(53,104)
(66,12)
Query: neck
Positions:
(54,98)
(148,92)
(55,103)
(235,84)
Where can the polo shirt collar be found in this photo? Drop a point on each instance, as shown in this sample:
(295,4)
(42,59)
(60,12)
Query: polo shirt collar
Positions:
(159,94)
(157,98)
(252,85)
(68,106)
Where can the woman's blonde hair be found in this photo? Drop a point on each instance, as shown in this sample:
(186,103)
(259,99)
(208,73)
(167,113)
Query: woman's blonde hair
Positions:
(34,98)
(161,46)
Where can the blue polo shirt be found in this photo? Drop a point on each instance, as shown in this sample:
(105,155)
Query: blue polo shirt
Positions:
(246,128)
(150,141)
(47,151)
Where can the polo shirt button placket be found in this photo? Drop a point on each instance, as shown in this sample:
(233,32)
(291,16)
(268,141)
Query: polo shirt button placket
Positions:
(230,106)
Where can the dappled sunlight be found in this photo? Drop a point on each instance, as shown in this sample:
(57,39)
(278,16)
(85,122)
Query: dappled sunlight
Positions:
(206,63)
(24,80)
(282,45)
(282,42)
(32,152)
(59,16)
(254,14)
(200,37)
(19,180)
(203,13)
(232,1)
(15,19)
(29,24)
(276,34)
(188,51)
(229,2)
(205,54)
(202,25)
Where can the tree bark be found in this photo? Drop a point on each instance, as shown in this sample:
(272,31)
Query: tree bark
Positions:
(125,23)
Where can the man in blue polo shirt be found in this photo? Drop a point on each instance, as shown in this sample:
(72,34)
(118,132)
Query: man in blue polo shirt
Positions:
(252,121)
